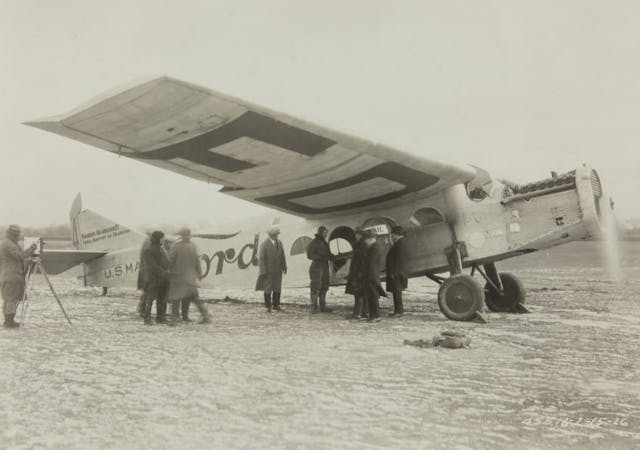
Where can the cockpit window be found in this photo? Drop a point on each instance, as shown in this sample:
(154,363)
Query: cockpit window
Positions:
(426,216)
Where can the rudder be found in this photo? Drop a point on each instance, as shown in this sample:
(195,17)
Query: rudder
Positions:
(91,231)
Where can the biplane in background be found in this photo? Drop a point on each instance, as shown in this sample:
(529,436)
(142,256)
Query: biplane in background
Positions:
(458,217)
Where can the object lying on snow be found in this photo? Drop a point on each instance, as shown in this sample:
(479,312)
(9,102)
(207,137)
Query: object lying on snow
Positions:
(446,339)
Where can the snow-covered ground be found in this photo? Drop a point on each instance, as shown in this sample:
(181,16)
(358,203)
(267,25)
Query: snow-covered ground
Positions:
(566,375)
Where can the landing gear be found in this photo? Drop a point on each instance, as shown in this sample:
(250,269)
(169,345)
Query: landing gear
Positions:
(461,297)
(503,292)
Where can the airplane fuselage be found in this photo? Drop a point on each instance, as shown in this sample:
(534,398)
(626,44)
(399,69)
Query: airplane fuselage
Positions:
(495,225)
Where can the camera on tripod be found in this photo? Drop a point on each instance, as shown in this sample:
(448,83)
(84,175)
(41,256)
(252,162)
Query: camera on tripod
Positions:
(38,246)
(33,267)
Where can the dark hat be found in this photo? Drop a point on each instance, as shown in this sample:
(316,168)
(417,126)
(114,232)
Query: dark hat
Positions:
(369,234)
(156,236)
(321,229)
(184,232)
(397,229)
(13,230)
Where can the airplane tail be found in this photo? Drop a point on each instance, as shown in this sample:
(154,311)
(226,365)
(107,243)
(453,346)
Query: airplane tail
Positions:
(91,231)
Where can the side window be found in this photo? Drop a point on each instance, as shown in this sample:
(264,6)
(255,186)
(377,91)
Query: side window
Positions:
(300,245)
(425,216)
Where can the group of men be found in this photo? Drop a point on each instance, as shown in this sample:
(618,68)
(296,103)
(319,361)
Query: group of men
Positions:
(170,277)
(173,276)
(363,281)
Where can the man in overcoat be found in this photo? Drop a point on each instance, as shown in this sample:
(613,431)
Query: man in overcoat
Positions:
(355,280)
(12,272)
(372,266)
(141,274)
(156,279)
(396,268)
(320,255)
(186,272)
(273,265)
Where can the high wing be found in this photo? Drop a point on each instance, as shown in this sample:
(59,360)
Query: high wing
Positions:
(256,154)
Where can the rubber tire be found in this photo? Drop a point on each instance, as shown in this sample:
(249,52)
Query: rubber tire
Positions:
(452,305)
(514,294)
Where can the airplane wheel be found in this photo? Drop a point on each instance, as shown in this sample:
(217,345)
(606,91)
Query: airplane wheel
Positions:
(460,297)
(513,295)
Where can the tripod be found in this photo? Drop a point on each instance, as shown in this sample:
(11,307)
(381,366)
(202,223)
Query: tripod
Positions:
(35,266)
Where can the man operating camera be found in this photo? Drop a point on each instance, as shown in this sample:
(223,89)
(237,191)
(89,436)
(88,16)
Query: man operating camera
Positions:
(12,266)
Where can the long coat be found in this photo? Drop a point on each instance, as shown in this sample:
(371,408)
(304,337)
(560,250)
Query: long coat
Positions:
(12,265)
(156,268)
(319,253)
(356,275)
(272,265)
(397,276)
(12,262)
(184,265)
(371,267)
(142,268)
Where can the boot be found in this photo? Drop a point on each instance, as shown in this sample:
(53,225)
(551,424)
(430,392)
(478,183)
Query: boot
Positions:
(276,301)
(267,301)
(357,307)
(202,309)
(397,304)
(161,311)
(314,303)
(141,303)
(9,321)
(323,302)
(185,304)
(147,311)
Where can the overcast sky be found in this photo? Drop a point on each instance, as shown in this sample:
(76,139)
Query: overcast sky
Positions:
(516,87)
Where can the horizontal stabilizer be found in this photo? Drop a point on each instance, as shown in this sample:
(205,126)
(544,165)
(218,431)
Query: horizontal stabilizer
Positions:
(58,261)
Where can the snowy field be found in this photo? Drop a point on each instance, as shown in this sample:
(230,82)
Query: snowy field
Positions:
(565,376)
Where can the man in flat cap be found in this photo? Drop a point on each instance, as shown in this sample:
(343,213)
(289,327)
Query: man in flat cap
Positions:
(273,265)
(186,272)
(396,268)
(320,255)
(355,282)
(156,279)
(12,267)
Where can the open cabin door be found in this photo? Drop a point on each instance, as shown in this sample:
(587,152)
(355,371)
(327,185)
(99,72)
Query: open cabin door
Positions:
(341,241)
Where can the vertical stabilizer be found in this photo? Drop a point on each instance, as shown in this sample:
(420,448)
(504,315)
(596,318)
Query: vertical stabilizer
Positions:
(91,231)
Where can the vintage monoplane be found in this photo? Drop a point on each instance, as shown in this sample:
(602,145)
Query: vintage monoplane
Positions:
(457,216)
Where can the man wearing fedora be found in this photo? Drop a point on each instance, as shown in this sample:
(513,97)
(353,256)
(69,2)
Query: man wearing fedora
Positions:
(396,268)
(273,265)
(12,282)
(355,281)
(371,268)
(186,272)
(156,279)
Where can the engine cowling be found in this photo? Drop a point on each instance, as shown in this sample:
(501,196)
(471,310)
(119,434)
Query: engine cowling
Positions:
(595,204)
